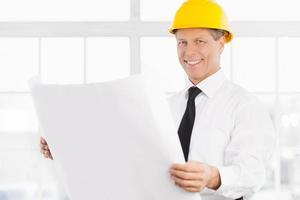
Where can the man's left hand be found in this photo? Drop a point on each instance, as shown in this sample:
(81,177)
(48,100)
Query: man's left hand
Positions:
(194,176)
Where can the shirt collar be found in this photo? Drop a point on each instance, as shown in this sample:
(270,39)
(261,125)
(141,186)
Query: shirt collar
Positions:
(210,85)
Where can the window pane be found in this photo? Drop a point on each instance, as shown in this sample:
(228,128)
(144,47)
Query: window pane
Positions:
(24,140)
(166,11)
(64,10)
(108,58)
(11,162)
(17,113)
(269,102)
(225,61)
(26,175)
(62,60)
(289,64)
(236,10)
(289,141)
(254,63)
(289,120)
(261,10)
(18,61)
(159,56)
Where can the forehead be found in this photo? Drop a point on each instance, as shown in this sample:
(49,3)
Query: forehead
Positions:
(189,33)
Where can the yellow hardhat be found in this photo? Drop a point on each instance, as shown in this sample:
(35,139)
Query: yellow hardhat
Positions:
(201,14)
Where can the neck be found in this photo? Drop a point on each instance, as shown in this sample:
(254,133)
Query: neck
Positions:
(197,81)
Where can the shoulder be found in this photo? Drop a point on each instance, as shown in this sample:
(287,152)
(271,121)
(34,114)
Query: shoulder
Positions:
(240,98)
(238,93)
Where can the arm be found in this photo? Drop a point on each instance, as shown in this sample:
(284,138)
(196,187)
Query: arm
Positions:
(252,143)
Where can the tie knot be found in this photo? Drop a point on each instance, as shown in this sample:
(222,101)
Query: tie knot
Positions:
(193,92)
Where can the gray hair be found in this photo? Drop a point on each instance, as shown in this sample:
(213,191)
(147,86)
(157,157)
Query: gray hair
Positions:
(218,33)
(215,33)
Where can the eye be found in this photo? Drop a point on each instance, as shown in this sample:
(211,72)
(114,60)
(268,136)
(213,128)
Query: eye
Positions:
(199,41)
(182,43)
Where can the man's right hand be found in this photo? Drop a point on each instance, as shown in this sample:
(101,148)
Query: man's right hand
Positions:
(45,150)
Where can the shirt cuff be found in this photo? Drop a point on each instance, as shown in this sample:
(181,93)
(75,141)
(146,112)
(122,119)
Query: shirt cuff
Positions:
(229,182)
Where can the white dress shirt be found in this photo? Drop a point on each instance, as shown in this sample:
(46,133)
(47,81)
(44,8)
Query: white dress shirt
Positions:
(232,131)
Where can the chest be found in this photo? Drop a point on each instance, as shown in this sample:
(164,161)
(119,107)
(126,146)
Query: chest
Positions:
(212,129)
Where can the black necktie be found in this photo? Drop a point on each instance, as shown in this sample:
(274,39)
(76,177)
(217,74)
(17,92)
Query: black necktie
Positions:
(187,122)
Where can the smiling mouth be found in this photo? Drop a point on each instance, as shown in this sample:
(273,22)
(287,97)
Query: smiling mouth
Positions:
(192,62)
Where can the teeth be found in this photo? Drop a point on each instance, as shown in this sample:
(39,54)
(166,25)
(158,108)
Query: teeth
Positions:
(193,62)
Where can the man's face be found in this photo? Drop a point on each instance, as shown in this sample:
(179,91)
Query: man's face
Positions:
(198,52)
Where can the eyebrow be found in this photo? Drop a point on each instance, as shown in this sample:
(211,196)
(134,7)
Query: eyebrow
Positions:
(197,38)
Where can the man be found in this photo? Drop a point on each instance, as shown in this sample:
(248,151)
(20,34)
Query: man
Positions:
(225,133)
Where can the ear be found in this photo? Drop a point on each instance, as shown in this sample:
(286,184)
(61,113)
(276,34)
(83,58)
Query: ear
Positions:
(221,44)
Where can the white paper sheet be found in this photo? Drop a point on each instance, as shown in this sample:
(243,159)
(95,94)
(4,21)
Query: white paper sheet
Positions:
(114,140)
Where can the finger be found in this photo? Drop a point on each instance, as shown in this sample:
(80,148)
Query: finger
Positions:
(49,155)
(45,147)
(192,189)
(187,167)
(45,152)
(186,183)
(42,146)
(186,175)
(45,155)
(43,141)
(194,161)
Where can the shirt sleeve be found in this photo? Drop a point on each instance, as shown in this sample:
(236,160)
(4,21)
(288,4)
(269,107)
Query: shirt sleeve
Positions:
(252,144)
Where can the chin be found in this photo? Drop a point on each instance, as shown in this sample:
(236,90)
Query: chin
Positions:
(197,78)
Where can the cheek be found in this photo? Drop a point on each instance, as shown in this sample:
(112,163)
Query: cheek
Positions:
(215,55)
(210,54)
(203,51)
(180,54)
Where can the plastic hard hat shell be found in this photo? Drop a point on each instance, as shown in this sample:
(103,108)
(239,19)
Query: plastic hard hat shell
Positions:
(201,14)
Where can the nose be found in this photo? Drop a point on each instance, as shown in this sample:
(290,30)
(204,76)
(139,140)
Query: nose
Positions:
(191,50)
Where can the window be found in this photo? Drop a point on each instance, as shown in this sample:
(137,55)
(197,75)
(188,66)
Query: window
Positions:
(87,41)
(66,10)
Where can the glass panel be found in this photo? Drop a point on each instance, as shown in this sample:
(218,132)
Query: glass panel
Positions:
(62,60)
(254,65)
(225,61)
(17,113)
(108,58)
(11,160)
(236,10)
(36,179)
(64,10)
(18,61)
(264,10)
(289,64)
(166,11)
(289,120)
(159,56)
(289,128)
(269,102)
